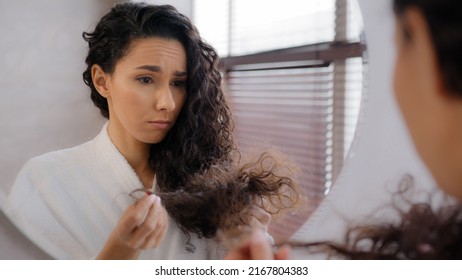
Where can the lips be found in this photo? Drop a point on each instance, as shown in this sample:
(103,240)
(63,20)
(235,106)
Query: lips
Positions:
(160,124)
(160,121)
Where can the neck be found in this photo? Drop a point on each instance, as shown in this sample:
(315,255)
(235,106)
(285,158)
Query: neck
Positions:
(135,152)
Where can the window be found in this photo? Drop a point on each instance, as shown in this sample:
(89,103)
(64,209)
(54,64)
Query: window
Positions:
(294,74)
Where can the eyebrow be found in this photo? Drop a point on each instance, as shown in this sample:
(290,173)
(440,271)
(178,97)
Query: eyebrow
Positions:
(155,68)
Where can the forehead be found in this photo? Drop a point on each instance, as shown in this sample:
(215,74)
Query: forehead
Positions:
(155,50)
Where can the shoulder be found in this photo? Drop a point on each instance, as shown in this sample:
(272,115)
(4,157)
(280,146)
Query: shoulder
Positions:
(56,162)
(39,201)
(51,169)
(47,174)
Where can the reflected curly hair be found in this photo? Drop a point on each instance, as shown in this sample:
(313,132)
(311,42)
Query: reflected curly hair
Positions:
(219,197)
(423,232)
(196,164)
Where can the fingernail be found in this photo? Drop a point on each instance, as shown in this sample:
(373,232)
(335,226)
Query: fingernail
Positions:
(153,198)
(257,236)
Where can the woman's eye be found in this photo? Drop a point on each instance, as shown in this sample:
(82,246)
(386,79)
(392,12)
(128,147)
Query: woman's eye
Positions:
(145,80)
(179,83)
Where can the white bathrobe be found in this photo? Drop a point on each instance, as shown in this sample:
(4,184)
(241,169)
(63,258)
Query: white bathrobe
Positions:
(69,201)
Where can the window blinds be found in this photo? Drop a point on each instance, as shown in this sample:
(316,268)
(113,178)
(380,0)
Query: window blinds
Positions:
(293,110)
(307,107)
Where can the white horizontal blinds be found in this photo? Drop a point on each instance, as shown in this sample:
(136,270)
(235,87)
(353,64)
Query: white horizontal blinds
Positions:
(348,21)
(354,88)
(237,27)
(347,96)
(274,24)
(347,81)
(288,109)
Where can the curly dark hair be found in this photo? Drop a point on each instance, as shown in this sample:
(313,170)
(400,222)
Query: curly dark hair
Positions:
(219,197)
(424,232)
(196,164)
(444,22)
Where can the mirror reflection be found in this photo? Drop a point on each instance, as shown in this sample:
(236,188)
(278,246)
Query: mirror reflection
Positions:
(294,80)
(294,76)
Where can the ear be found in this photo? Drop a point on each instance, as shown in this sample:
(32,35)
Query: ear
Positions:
(422,44)
(100,80)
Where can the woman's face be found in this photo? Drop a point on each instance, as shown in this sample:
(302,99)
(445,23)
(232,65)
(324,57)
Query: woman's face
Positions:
(409,86)
(147,90)
(432,114)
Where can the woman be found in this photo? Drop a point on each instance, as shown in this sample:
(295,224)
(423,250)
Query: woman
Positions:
(167,143)
(428,88)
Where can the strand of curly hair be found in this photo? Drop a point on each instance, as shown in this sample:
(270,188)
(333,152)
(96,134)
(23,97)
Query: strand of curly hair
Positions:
(423,232)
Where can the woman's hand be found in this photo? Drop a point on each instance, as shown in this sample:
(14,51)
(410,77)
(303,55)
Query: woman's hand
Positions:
(142,226)
(258,217)
(257,247)
(254,218)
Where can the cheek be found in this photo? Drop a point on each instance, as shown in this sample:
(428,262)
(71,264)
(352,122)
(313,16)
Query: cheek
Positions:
(407,97)
(135,101)
(129,102)
(407,85)
(412,104)
(402,75)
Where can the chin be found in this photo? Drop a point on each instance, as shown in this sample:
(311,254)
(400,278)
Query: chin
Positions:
(153,140)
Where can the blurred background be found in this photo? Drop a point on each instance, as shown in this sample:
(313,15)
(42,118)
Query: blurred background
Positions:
(294,73)
(306,77)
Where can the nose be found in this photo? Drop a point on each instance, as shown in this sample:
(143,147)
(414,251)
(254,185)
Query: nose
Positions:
(164,100)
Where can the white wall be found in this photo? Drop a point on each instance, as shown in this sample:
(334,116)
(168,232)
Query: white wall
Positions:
(45,105)
(382,150)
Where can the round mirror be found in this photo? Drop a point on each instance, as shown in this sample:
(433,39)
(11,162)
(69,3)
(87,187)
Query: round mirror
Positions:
(293,73)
